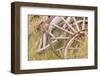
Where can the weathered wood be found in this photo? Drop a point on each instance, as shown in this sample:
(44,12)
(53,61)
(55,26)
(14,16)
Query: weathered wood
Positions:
(77,40)
(73,48)
(55,20)
(59,49)
(44,39)
(73,32)
(47,46)
(86,34)
(62,38)
(62,29)
(82,32)
(68,44)
(77,26)
(53,49)
(40,42)
(51,34)
(66,22)
(83,26)
(79,21)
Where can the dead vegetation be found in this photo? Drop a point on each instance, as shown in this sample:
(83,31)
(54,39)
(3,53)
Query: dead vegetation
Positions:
(66,37)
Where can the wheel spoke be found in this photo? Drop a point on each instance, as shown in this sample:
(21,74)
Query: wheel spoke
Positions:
(66,22)
(77,26)
(70,36)
(73,48)
(62,38)
(83,26)
(47,46)
(62,29)
(44,39)
(69,43)
(40,42)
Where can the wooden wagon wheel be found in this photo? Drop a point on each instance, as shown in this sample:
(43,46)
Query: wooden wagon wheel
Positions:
(80,30)
(71,29)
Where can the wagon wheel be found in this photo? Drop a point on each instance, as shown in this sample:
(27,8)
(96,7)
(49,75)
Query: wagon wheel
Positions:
(71,28)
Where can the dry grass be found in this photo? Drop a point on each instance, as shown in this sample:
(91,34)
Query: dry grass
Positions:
(33,42)
(82,53)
